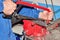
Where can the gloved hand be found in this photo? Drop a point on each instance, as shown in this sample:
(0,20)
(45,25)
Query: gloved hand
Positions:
(45,15)
(9,7)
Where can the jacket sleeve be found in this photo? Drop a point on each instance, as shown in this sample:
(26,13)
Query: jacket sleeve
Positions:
(1,5)
(29,12)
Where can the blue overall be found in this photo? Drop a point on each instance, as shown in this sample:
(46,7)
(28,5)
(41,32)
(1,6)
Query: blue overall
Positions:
(5,26)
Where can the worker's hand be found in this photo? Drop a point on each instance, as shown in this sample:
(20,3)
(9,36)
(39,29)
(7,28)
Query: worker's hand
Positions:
(9,7)
(45,15)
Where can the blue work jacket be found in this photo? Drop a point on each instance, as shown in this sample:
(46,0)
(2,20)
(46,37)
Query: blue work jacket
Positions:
(5,26)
